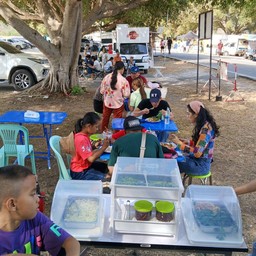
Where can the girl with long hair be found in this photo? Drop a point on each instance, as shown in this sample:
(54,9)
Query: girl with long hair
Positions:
(200,148)
(84,165)
(114,88)
(140,92)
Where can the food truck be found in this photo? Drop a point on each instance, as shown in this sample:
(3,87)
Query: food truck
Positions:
(133,42)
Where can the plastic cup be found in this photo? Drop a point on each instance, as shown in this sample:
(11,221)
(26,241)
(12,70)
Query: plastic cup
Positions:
(143,210)
(165,211)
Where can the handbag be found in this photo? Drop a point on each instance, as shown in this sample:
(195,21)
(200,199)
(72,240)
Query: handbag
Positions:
(143,144)
(68,144)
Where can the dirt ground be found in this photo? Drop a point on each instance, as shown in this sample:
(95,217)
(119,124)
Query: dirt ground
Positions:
(234,156)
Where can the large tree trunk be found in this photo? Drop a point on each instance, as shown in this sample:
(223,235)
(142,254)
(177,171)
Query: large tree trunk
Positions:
(63,73)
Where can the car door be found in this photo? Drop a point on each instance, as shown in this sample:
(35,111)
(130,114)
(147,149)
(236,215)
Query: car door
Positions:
(3,63)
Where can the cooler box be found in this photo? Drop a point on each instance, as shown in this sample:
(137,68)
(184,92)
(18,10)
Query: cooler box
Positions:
(212,215)
(78,207)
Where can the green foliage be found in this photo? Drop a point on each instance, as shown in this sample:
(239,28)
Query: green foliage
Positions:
(77,90)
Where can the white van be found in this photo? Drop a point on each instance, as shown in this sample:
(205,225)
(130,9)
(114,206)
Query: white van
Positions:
(20,69)
(237,47)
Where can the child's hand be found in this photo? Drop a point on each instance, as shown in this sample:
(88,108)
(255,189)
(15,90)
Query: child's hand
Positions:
(106,143)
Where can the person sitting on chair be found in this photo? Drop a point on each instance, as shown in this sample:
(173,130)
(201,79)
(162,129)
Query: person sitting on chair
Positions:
(200,148)
(108,67)
(134,73)
(129,144)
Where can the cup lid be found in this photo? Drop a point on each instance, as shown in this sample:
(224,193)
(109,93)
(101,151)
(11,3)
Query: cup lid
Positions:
(164,206)
(143,206)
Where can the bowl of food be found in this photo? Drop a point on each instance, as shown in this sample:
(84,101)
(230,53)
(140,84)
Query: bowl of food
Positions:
(165,211)
(143,210)
(153,119)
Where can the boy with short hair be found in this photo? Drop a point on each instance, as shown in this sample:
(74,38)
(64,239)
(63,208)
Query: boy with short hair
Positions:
(23,229)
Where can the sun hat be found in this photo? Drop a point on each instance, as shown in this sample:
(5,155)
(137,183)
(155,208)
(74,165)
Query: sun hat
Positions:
(132,123)
(134,70)
(196,105)
(155,95)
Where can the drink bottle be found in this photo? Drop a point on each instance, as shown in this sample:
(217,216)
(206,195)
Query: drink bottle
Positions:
(167,116)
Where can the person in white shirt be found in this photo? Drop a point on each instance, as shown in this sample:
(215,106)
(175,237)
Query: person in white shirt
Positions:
(96,64)
(109,65)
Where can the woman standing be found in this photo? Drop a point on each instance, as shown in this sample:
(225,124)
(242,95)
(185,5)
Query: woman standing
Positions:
(84,165)
(200,148)
(114,88)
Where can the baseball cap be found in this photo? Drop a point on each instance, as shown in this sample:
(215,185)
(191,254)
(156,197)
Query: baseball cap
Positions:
(155,95)
(134,69)
(132,123)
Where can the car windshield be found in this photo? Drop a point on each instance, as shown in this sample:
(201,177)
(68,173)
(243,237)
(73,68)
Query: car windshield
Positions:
(9,48)
(140,48)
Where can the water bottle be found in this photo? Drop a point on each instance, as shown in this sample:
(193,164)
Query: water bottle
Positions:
(167,116)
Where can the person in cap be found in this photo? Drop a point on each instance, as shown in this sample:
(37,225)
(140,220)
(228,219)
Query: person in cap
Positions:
(155,106)
(135,73)
(200,148)
(129,144)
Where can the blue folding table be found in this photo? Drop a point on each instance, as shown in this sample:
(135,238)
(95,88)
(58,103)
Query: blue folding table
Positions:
(46,119)
(117,124)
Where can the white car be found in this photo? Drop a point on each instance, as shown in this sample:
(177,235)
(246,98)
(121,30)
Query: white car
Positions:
(16,43)
(20,69)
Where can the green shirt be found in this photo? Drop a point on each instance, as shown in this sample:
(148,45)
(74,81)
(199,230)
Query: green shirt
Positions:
(129,145)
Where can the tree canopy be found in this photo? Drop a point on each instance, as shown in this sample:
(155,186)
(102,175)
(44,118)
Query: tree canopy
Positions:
(65,21)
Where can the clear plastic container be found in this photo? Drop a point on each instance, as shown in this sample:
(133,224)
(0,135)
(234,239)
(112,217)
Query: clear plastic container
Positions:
(142,178)
(212,215)
(78,207)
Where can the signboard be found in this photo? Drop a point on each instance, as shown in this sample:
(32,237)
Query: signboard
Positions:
(205,25)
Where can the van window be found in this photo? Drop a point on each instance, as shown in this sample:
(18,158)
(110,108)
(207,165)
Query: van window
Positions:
(140,48)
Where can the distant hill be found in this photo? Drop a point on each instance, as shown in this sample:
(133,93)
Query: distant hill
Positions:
(6,30)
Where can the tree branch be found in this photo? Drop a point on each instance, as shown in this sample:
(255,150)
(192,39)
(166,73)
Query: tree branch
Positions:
(107,9)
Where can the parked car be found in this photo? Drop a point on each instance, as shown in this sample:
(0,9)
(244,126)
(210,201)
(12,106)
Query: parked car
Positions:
(22,70)
(234,48)
(21,39)
(16,43)
(250,54)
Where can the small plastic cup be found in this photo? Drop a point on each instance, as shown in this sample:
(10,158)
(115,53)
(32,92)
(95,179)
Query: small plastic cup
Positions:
(107,135)
(143,210)
(165,211)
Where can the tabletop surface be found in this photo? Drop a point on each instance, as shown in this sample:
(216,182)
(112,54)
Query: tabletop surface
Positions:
(46,117)
(117,124)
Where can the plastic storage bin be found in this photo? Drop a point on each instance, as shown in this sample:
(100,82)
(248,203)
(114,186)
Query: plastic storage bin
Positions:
(124,220)
(149,179)
(78,207)
(143,178)
(212,215)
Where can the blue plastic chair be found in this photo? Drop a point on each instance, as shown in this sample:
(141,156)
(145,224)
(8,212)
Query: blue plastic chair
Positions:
(64,171)
(9,134)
